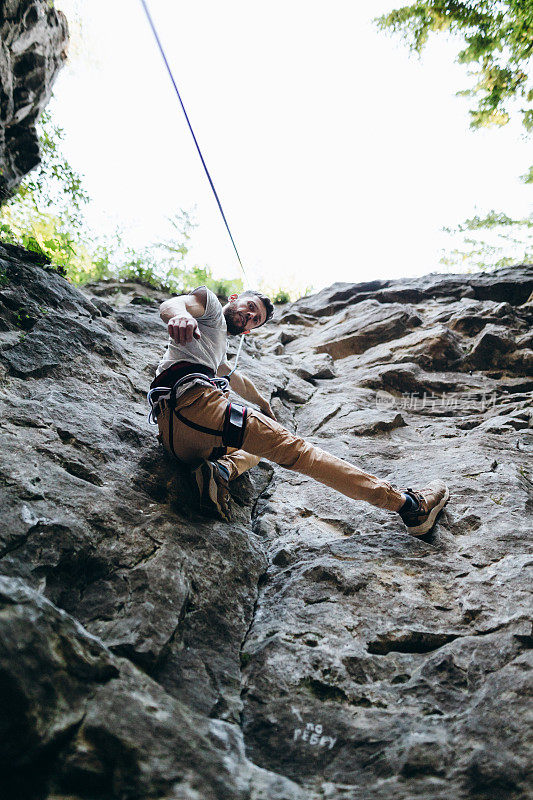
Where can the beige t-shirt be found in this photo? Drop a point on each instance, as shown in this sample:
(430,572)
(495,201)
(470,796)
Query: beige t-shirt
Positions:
(210,350)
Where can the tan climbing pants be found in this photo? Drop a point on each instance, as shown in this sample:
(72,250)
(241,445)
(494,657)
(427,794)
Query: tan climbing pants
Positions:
(266,438)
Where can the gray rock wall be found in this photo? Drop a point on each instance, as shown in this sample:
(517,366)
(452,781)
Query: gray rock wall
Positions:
(33,39)
(310,649)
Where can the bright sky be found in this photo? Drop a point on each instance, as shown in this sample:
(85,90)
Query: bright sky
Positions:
(335,154)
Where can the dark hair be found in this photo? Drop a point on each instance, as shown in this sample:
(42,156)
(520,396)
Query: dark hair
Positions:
(267,302)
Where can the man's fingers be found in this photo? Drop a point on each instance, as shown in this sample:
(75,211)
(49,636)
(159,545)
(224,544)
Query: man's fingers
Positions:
(191,327)
(174,331)
(183,329)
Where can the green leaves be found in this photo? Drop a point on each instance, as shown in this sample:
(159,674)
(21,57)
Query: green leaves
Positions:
(528,176)
(47,216)
(495,240)
(281,296)
(499,41)
(493,219)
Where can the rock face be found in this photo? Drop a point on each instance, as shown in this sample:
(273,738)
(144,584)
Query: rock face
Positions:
(310,649)
(33,38)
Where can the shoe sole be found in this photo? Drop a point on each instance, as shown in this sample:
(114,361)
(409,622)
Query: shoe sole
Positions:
(206,486)
(425,527)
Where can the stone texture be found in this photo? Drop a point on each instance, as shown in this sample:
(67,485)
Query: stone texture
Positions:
(489,345)
(309,649)
(349,332)
(33,40)
(96,726)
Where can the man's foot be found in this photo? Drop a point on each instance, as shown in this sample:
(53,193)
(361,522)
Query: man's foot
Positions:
(210,480)
(422,506)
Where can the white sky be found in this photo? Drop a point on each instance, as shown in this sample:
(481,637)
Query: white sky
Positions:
(335,154)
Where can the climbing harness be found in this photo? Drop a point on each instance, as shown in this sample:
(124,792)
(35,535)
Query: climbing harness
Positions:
(161,397)
(212,185)
(234,425)
(168,393)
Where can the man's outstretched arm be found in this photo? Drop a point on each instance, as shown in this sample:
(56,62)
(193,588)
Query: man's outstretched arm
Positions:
(246,389)
(180,314)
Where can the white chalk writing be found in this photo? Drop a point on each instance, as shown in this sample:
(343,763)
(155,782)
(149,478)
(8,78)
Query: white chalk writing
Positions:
(312,734)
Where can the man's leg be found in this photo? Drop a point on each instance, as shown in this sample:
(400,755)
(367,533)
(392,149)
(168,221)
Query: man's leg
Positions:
(418,508)
(212,478)
(266,438)
(209,478)
(238,461)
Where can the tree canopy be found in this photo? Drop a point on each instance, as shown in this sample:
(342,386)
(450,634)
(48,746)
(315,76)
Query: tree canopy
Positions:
(492,240)
(498,39)
(498,46)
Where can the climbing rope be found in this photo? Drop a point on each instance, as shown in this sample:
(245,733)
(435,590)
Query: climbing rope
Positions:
(174,84)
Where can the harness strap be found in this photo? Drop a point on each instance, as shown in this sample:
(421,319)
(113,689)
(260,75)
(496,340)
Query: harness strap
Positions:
(171,432)
(234,425)
(196,427)
(235,416)
(178,370)
(232,432)
(217,453)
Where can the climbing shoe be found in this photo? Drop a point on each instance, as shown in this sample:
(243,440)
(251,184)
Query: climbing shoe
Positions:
(210,481)
(420,510)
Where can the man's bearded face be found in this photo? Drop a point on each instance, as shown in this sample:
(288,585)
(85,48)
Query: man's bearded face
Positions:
(244,313)
(236,320)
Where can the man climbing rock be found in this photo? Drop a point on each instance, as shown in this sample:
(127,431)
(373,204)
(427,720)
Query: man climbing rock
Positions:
(220,440)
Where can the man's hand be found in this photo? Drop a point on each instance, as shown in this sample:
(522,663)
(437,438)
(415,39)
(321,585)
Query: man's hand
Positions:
(183,328)
(181,313)
(267,411)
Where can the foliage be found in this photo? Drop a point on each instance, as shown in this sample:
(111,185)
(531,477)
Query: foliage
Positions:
(498,35)
(46,214)
(46,234)
(499,40)
(163,265)
(46,217)
(54,184)
(292,290)
(144,268)
(493,219)
(281,296)
(528,177)
(510,241)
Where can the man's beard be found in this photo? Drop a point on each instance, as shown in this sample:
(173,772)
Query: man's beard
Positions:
(235,322)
